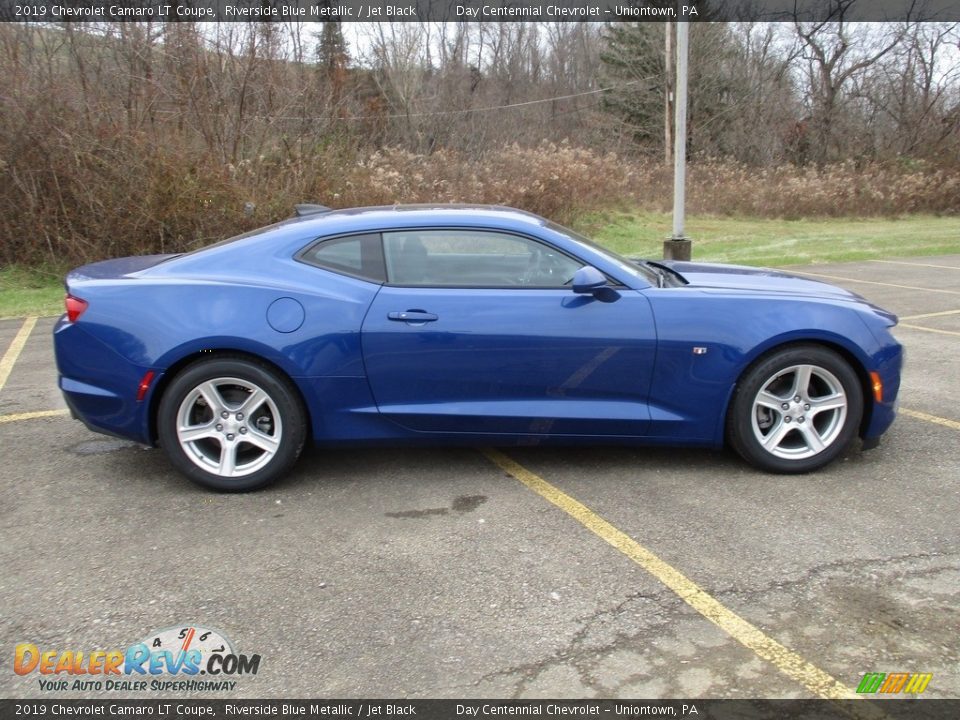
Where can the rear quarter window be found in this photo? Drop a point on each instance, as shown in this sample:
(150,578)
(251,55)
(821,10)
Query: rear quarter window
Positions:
(356,255)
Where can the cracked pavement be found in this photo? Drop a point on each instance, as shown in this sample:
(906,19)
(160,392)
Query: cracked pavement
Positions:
(428,573)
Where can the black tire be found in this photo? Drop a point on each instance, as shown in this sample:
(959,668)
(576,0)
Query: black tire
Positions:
(772,430)
(207,436)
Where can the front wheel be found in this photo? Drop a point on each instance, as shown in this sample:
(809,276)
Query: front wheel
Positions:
(796,410)
(231,424)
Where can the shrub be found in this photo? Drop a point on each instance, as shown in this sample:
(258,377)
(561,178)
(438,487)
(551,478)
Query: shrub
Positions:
(72,198)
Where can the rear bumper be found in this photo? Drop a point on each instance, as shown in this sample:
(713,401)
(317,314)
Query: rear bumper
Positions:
(81,414)
(99,385)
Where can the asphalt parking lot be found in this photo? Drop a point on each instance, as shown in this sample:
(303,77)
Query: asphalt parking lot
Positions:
(437,573)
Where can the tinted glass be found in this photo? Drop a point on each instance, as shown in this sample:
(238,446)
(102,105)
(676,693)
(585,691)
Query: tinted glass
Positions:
(359,255)
(624,264)
(472,258)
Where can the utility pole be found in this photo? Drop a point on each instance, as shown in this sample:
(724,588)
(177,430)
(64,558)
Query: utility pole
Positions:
(667,92)
(678,247)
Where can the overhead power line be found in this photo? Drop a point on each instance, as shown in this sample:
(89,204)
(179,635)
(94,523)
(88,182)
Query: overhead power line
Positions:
(436,113)
(467,111)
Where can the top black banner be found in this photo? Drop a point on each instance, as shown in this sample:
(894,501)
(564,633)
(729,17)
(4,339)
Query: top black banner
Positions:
(476,10)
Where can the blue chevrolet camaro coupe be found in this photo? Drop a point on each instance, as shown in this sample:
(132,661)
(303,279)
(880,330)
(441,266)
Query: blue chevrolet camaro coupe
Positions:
(468,325)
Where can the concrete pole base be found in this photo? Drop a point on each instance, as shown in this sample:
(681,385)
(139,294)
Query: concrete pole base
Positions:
(677,249)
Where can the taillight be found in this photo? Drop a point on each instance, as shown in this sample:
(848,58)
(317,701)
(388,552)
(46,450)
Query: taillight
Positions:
(75,307)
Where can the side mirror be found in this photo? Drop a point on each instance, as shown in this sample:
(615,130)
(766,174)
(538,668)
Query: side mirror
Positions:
(588,280)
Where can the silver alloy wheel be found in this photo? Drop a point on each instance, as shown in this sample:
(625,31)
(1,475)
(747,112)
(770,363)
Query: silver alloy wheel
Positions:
(229,427)
(799,412)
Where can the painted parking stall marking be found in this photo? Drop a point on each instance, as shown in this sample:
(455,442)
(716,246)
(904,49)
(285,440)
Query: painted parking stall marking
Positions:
(16,347)
(926,316)
(875,282)
(929,329)
(917,264)
(923,316)
(17,417)
(945,422)
(790,663)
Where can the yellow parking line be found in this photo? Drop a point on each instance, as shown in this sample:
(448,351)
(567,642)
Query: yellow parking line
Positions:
(933,330)
(916,264)
(17,417)
(874,282)
(922,316)
(931,418)
(16,347)
(790,663)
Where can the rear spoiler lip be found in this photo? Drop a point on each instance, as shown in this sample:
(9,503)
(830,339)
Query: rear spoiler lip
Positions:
(123,267)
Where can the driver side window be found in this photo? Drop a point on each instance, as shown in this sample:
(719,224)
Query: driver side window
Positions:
(473,258)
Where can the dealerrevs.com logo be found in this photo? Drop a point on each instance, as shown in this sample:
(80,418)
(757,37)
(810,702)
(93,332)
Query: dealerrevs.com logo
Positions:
(183,652)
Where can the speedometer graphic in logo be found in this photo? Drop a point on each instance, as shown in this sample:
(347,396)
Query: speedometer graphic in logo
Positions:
(182,639)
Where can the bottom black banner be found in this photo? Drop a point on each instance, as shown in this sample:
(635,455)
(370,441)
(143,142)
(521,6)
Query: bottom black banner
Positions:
(920,709)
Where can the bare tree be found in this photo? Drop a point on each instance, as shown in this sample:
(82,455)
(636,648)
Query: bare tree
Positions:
(912,94)
(837,53)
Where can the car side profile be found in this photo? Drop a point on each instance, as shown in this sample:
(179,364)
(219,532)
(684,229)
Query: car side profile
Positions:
(468,325)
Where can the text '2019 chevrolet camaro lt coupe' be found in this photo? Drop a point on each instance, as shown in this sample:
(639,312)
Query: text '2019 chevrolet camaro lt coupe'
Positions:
(468,325)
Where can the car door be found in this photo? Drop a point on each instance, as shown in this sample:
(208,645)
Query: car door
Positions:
(479,332)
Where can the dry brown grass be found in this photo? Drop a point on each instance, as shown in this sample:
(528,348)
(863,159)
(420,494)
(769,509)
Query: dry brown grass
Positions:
(70,199)
(843,189)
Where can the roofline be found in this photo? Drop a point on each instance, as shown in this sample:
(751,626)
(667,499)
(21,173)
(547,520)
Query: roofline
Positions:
(431,207)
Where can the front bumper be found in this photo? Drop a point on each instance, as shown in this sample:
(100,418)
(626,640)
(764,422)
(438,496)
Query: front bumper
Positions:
(888,364)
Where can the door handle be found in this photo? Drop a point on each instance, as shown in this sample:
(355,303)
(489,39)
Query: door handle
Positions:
(412,316)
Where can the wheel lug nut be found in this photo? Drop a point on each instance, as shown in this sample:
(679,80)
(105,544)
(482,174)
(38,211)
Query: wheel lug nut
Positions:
(785,406)
(797,399)
(806,407)
(219,427)
(800,419)
(787,418)
(224,414)
(243,431)
(229,436)
(239,416)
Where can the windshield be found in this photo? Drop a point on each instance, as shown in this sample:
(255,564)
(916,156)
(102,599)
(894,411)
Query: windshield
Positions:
(619,260)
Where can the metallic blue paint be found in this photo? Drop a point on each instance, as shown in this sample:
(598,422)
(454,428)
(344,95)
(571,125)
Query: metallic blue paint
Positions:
(496,365)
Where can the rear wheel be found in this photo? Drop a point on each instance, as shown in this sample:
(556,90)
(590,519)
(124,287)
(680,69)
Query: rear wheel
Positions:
(796,410)
(231,424)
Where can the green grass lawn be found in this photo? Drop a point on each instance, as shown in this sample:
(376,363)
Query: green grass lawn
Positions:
(30,291)
(773,242)
(745,241)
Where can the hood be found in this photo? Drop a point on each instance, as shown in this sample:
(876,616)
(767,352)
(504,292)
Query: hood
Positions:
(739,277)
(764,280)
(116,268)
